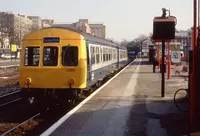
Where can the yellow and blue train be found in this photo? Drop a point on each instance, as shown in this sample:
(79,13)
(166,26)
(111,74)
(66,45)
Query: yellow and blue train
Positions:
(62,62)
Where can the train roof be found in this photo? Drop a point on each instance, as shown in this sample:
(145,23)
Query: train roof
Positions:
(91,38)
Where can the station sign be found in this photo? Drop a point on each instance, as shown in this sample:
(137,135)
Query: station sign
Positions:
(13,47)
(175,56)
(145,50)
(51,40)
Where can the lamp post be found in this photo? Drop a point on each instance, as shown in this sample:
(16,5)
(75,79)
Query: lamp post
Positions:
(192,87)
(169,61)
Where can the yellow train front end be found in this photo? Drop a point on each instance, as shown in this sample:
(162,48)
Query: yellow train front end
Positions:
(53,59)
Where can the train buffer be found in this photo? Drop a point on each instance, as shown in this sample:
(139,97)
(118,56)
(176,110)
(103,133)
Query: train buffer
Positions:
(129,104)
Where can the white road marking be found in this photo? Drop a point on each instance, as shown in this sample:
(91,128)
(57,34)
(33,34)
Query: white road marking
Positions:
(65,117)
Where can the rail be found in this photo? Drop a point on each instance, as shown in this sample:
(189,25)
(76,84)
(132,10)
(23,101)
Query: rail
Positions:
(10,98)
(24,122)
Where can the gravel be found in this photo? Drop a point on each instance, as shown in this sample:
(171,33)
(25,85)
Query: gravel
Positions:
(9,81)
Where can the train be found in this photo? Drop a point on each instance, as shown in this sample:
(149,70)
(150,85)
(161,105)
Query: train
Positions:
(57,62)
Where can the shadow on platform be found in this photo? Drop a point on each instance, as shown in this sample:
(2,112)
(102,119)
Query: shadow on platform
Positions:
(141,121)
(143,62)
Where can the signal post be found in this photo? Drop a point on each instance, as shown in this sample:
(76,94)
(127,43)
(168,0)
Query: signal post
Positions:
(164,30)
(169,61)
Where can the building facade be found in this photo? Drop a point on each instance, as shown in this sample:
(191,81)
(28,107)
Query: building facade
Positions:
(47,23)
(37,22)
(145,47)
(98,30)
(22,26)
(83,25)
(14,27)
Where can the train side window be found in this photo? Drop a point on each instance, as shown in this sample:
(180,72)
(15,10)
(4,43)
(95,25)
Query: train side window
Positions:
(104,54)
(115,55)
(32,56)
(107,52)
(69,56)
(50,56)
(92,51)
(97,55)
(110,54)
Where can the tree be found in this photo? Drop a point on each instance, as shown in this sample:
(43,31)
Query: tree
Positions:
(124,43)
(6,28)
(13,28)
(132,46)
(150,36)
(141,38)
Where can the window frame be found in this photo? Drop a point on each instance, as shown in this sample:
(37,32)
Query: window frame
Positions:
(77,61)
(43,56)
(24,62)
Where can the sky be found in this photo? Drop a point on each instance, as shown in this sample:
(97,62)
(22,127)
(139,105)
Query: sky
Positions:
(124,19)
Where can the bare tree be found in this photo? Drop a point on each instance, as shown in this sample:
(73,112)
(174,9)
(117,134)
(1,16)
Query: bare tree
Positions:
(151,36)
(6,27)
(20,30)
(139,41)
(141,38)
(14,28)
(3,37)
(33,28)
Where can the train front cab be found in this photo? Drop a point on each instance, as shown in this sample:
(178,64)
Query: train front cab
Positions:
(45,67)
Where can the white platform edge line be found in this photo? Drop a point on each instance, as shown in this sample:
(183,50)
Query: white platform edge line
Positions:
(66,116)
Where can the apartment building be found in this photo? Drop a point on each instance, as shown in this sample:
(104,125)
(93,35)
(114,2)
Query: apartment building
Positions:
(37,22)
(83,25)
(14,27)
(47,22)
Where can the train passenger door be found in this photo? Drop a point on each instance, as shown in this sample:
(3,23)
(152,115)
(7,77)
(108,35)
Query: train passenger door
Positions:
(89,66)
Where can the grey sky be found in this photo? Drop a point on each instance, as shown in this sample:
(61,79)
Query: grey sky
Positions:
(123,18)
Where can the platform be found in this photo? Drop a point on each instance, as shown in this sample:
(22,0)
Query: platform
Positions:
(130,104)
(7,63)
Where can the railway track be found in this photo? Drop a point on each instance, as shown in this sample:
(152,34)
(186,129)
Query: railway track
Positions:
(8,74)
(28,125)
(19,129)
(10,98)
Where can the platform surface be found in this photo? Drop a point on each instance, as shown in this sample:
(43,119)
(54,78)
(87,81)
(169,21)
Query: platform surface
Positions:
(131,104)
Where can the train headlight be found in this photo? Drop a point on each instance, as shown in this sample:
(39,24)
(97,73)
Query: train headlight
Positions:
(28,81)
(71,82)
